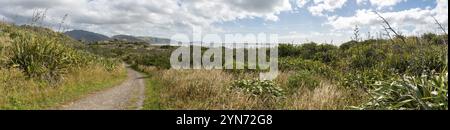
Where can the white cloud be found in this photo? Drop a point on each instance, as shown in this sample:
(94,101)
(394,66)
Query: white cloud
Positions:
(322,6)
(411,21)
(144,17)
(441,11)
(302,3)
(385,3)
(381,3)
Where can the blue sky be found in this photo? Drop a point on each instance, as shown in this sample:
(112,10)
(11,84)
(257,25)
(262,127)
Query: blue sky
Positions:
(298,21)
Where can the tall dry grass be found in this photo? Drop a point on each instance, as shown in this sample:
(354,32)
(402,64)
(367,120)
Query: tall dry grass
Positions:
(4,43)
(325,97)
(193,89)
(210,90)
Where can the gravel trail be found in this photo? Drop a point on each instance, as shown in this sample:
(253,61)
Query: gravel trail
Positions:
(127,96)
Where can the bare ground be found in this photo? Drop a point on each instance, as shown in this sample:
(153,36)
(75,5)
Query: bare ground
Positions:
(127,96)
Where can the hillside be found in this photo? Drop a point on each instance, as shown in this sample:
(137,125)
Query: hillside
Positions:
(86,36)
(41,69)
(90,37)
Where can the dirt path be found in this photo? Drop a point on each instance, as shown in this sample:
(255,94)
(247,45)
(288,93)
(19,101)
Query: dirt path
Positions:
(128,95)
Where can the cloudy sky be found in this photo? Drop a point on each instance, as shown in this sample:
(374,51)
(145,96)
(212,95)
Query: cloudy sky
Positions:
(293,20)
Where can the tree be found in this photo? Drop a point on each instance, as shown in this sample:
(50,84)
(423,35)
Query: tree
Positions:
(356,36)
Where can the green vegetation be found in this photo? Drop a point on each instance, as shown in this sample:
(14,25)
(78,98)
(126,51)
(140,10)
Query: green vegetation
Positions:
(407,73)
(42,69)
(303,79)
(258,88)
(370,74)
(392,74)
(134,53)
(152,89)
(428,92)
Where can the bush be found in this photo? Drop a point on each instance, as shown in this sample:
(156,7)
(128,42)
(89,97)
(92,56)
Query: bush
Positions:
(42,56)
(325,53)
(303,79)
(158,60)
(435,39)
(348,45)
(299,64)
(367,58)
(327,57)
(288,50)
(418,62)
(428,60)
(363,79)
(428,92)
(258,87)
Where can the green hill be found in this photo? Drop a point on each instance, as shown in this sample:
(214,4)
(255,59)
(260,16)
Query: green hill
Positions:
(40,68)
(86,36)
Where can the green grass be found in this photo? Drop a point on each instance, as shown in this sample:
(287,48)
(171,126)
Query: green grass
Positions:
(152,90)
(80,90)
(153,87)
(39,95)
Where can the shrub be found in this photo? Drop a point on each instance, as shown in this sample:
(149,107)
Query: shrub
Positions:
(303,79)
(428,92)
(41,56)
(348,45)
(418,61)
(299,64)
(327,56)
(258,87)
(363,79)
(435,39)
(286,50)
(325,53)
(158,60)
(367,58)
(428,60)
(47,55)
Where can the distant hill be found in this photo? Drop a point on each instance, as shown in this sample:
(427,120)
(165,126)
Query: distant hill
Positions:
(86,36)
(155,40)
(127,38)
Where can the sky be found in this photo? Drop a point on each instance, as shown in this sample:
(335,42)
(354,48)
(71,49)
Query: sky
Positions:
(294,21)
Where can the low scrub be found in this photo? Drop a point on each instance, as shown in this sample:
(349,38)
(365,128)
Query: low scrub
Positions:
(299,64)
(303,79)
(210,90)
(427,92)
(258,87)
